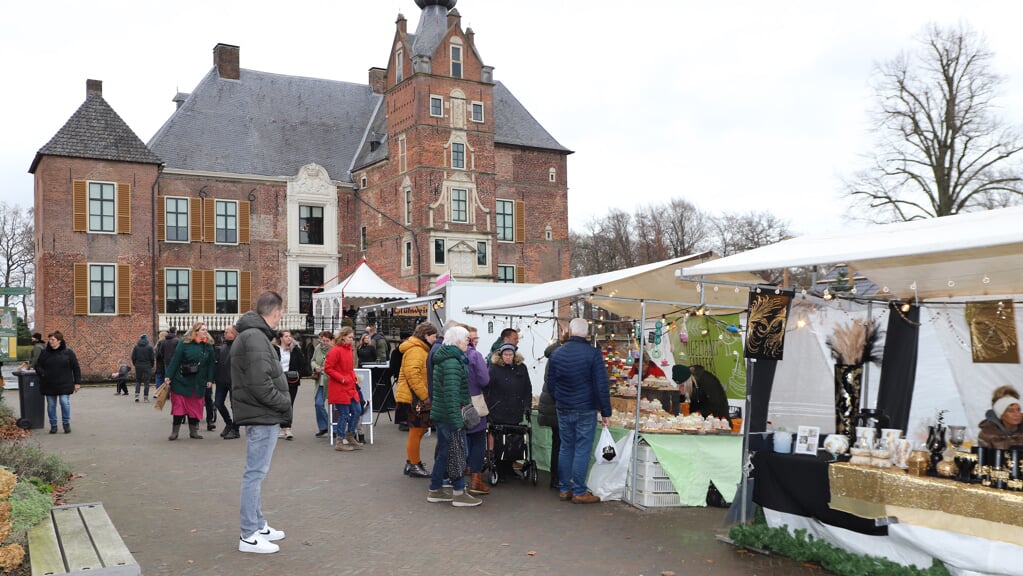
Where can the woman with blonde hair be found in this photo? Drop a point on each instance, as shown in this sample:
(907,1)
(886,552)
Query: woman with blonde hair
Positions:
(189,374)
(412,391)
(343,390)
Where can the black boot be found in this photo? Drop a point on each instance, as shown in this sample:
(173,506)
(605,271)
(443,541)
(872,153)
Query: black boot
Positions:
(67,428)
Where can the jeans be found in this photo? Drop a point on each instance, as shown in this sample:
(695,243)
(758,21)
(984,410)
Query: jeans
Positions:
(321,410)
(223,391)
(260,442)
(577,429)
(475,445)
(65,408)
(142,376)
(440,463)
(347,417)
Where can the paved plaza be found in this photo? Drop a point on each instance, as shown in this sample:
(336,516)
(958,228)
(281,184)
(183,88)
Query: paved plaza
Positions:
(176,506)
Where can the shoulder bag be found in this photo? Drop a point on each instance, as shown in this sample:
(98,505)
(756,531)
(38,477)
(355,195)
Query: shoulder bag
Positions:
(480,404)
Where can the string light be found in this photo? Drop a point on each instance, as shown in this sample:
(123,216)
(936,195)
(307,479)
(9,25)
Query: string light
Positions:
(985,279)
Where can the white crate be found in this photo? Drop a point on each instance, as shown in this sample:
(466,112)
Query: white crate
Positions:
(654,499)
(652,484)
(650,469)
(644,453)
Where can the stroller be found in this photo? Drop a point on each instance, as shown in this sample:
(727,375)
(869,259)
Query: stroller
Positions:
(509,450)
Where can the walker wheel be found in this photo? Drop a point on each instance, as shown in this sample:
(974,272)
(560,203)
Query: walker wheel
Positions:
(23,423)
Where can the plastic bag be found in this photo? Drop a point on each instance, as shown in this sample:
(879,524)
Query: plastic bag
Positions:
(608,482)
(605,452)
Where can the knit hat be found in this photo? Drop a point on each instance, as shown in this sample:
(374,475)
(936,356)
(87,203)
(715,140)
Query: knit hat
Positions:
(37,336)
(144,338)
(172,330)
(1003,403)
(506,347)
(680,373)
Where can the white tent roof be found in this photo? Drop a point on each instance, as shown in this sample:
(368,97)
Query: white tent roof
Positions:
(363,283)
(619,292)
(977,253)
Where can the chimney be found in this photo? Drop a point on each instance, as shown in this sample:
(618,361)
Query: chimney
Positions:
(93,87)
(179,99)
(402,23)
(469,36)
(225,58)
(378,80)
(454,18)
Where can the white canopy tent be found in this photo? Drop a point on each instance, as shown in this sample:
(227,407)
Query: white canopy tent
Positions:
(362,284)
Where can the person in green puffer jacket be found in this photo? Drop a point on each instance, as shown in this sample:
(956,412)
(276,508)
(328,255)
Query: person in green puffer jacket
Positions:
(450,393)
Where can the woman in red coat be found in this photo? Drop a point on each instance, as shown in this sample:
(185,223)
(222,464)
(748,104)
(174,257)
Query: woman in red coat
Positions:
(342,390)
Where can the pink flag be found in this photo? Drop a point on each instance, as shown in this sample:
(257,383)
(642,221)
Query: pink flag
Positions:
(443,278)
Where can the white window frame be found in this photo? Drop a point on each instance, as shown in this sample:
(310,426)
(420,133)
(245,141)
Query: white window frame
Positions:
(552,175)
(461,148)
(102,217)
(473,107)
(440,105)
(408,205)
(178,200)
(103,284)
(177,286)
(460,205)
(221,290)
(407,258)
(310,210)
(399,66)
(482,248)
(456,61)
(402,155)
(362,239)
(226,222)
(499,216)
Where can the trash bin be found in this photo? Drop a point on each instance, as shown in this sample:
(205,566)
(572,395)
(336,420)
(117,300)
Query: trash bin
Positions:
(30,400)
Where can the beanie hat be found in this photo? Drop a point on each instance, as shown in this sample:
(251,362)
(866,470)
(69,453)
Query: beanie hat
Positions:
(144,338)
(680,373)
(172,330)
(37,336)
(1003,403)
(506,347)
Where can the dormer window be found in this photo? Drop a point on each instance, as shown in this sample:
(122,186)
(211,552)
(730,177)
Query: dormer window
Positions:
(456,61)
(399,68)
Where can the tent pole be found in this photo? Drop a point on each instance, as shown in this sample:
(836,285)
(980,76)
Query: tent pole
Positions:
(639,394)
(865,392)
(743,512)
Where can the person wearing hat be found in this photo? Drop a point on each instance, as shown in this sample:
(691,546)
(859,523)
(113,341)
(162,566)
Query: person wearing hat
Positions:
(509,397)
(705,392)
(1001,428)
(37,348)
(143,358)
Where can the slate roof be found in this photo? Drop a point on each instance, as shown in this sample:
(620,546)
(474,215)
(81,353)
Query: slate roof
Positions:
(95,131)
(515,126)
(267,124)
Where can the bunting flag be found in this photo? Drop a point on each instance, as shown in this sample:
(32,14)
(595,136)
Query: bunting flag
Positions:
(993,336)
(443,278)
(765,325)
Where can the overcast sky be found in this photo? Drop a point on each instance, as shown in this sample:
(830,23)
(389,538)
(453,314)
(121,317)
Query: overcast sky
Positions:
(732,105)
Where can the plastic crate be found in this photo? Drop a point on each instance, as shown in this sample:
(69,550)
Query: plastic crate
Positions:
(655,499)
(652,484)
(650,469)
(644,453)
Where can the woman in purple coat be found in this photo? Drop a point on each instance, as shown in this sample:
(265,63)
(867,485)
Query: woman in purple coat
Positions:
(476,437)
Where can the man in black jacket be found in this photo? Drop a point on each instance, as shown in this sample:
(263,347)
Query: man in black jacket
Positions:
(259,396)
(223,380)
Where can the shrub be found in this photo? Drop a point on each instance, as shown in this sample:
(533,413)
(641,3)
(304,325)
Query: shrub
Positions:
(29,506)
(28,461)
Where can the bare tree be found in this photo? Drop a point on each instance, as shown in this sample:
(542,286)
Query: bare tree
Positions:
(736,233)
(17,252)
(941,150)
(688,228)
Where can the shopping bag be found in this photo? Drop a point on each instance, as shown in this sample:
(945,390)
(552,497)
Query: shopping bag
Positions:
(605,452)
(608,482)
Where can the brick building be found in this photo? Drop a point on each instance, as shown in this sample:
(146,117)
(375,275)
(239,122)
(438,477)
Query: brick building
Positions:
(264,181)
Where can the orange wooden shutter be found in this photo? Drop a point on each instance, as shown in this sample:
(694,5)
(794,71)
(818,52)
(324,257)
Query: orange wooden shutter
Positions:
(123,290)
(80,207)
(205,285)
(243,222)
(161,219)
(195,219)
(160,291)
(81,282)
(520,274)
(123,208)
(209,220)
(244,291)
(520,221)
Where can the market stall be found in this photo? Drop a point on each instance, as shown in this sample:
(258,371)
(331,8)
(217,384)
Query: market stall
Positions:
(362,286)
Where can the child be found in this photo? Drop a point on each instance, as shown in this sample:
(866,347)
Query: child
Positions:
(122,379)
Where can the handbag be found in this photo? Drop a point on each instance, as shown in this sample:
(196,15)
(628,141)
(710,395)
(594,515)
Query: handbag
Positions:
(189,369)
(456,455)
(292,376)
(480,403)
(605,451)
(419,412)
(470,417)
(161,396)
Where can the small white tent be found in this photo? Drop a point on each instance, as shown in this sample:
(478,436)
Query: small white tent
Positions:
(362,285)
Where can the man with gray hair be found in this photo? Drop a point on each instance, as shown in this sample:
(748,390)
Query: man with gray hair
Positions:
(579,384)
(259,395)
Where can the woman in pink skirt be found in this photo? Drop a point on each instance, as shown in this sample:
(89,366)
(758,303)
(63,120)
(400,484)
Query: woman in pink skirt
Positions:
(189,375)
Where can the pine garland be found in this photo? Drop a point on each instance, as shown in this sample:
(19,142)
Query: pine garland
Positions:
(803,548)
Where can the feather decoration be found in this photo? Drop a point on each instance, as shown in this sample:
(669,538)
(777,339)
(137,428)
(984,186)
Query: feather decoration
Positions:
(856,343)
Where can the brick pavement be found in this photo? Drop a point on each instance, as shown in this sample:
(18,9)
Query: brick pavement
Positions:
(176,506)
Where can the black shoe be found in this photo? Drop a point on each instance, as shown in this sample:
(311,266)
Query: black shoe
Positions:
(210,426)
(67,428)
(407,468)
(418,471)
(136,398)
(53,429)
(322,433)
(231,433)
(403,427)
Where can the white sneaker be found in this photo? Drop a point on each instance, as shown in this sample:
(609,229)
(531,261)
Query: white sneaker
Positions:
(287,434)
(256,544)
(280,433)
(270,534)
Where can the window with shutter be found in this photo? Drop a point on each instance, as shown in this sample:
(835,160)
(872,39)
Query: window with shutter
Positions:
(124,208)
(178,287)
(81,286)
(161,221)
(123,290)
(520,221)
(80,208)
(520,274)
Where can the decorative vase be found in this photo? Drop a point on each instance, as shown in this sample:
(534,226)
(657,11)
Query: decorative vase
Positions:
(936,444)
(918,462)
(847,398)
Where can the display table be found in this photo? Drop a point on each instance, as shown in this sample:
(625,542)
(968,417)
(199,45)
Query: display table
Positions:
(691,461)
(669,398)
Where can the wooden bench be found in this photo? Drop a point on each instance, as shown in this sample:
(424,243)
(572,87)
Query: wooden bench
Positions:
(79,539)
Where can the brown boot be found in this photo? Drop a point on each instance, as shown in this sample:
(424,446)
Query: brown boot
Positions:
(352,441)
(340,446)
(477,485)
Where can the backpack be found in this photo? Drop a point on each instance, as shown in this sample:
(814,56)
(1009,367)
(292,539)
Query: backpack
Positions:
(394,362)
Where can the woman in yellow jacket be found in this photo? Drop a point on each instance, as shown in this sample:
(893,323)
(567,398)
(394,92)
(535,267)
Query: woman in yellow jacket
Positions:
(412,385)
